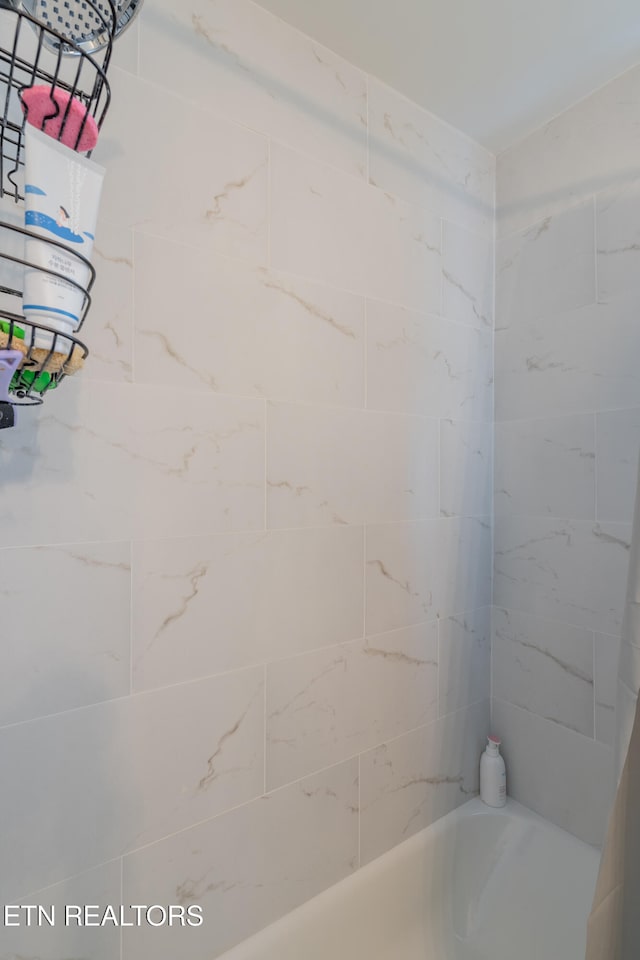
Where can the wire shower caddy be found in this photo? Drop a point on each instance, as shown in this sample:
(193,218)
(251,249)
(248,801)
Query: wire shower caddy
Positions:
(33,52)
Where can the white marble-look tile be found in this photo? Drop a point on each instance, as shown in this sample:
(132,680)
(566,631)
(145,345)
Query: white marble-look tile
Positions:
(100,461)
(122,774)
(208,604)
(428,366)
(468,276)
(408,783)
(184,186)
(67,467)
(571,571)
(546,467)
(108,331)
(584,359)
(199,463)
(618,240)
(425,570)
(238,60)
(224,325)
(464,558)
(586,148)
(125,51)
(402,574)
(66,614)
(248,867)
(562,775)
(605,675)
(544,666)
(419,157)
(547,268)
(100,886)
(349,466)
(464,660)
(329,227)
(617,447)
(466,468)
(329,705)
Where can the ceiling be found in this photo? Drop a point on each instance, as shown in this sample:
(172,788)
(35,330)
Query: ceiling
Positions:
(496,69)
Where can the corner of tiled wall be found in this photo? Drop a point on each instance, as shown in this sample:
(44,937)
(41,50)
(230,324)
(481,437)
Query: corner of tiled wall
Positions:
(567,439)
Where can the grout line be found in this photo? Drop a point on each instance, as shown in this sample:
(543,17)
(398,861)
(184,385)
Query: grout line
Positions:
(250,801)
(595,466)
(439,458)
(368,157)
(595,245)
(121,901)
(131,614)
(441,310)
(364,581)
(133,326)
(69,879)
(365,353)
(593,636)
(269,202)
(265,729)
(555,724)
(438,671)
(359,810)
(266,478)
(250,666)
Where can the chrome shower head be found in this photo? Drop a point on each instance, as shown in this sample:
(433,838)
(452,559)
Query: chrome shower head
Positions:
(87,25)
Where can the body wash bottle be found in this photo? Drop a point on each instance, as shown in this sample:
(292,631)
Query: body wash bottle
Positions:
(493,775)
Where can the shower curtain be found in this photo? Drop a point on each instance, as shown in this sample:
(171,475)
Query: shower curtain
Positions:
(614,924)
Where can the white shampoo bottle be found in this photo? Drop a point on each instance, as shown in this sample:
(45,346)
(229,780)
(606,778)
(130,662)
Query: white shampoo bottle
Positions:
(493,775)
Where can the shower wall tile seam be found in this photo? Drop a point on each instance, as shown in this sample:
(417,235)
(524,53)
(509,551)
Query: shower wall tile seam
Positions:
(366,77)
(551,620)
(256,265)
(138,694)
(597,465)
(552,720)
(269,202)
(359,811)
(366,411)
(588,411)
(595,245)
(553,723)
(264,730)
(351,757)
(424,726)
(238,806)
(367,82)
(141,385)
(538,221)
(122,902)
(595,699)
(31,894)
(564,518)
(371,635)
(131,609)
(265,663)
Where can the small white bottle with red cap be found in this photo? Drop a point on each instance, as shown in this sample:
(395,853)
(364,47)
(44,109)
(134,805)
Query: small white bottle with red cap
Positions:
(493,775)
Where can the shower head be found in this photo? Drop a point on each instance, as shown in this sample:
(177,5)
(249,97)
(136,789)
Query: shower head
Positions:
(88,25)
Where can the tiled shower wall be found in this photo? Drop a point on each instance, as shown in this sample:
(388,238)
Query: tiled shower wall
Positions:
(246,555)
(567,441)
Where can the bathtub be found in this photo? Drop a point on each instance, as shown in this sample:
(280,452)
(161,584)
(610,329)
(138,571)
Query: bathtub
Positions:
(479,884)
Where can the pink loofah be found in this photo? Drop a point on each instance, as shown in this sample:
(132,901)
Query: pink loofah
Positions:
(64,124)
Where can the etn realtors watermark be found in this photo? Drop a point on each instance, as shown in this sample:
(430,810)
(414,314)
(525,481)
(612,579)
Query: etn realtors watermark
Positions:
(92,915)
